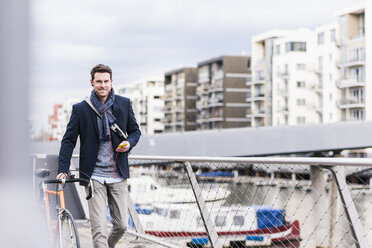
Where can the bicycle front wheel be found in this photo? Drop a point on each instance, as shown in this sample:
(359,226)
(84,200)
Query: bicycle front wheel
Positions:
(68,234)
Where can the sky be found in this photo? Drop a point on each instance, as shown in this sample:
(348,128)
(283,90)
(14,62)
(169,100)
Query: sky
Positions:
(138,39)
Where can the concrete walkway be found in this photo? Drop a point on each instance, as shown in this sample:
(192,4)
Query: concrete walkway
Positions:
(128,241)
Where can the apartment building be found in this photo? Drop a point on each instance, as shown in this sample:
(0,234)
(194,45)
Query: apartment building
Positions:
(147,100)
(222,92)
(356,62)
(180,100)
(295,76)
(327,86)
(261,83)
(59,120)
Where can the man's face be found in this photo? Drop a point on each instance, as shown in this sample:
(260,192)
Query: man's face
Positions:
(102,84)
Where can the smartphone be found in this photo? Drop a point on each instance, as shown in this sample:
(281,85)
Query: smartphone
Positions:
(122,145)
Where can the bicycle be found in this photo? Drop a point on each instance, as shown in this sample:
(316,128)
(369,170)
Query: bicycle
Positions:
(66,234)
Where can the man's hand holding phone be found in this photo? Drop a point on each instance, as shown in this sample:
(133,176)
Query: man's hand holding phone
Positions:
(123,146)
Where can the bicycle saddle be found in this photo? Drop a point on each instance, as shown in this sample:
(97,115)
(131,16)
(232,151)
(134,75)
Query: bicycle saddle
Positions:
(42,173)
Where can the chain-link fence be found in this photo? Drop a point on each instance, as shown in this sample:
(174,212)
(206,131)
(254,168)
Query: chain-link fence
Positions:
(246,202)
(279,202)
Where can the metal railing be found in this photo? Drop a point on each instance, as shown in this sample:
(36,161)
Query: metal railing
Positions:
(250,202)
(322,209)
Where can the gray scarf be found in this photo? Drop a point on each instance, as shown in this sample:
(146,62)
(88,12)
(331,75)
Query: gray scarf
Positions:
(107,117)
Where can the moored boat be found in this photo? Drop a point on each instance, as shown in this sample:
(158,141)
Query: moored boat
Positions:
(251,226)
(145,190)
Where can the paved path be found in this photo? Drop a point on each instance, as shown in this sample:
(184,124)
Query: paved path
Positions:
(128,241)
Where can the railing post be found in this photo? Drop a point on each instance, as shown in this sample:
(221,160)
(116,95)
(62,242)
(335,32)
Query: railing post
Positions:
(133,214)
(350,209)
(335,228)
(320,205)
(208,224)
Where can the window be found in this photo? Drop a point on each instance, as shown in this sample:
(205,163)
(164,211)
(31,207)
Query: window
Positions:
(295,46)
(260,75)
(174,214)
(320,63)
(238,220)
(220,220)
(301,102)
(357,74)
(300,84)
(277,49)
(357,54)
(333,34)
(301,67)
(320,38)
(301,120)
(156,97)
(361,28)
(357,114)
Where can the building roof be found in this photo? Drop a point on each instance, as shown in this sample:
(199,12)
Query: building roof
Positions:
(170,73)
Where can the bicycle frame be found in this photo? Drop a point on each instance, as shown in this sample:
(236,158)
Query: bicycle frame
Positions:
(63,215)
(60,208)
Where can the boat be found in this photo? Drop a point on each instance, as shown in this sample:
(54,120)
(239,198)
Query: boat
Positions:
(249,225)
(144,190)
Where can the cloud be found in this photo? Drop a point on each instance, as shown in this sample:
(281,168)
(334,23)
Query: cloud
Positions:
(144,38)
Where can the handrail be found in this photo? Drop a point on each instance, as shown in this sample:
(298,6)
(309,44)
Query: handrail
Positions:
(328,161)
(267,160)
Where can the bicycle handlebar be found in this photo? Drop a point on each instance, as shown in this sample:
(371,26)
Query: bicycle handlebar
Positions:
(73,180)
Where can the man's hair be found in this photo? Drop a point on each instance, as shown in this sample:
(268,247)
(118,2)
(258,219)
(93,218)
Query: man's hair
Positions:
(100,68)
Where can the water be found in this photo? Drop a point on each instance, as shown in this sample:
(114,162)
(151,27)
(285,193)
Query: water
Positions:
(299,205)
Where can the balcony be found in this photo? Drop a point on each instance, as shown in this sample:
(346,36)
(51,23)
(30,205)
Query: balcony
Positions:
(350,62)
(347,83)
(351,103)
(283,92)
(315,69)
(260,113)
(202,105)
(177,123)
(215,119)
(259,81)
(215,89)
(283,74)
(283,109)
(260,96)
(203,77)
(318,88)
(316,107)
(215,103)
(218,75)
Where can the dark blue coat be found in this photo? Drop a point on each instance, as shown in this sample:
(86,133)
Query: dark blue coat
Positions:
(83,123)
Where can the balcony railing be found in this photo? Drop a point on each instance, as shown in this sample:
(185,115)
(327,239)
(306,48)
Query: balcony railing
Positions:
(351,103)
(346,83)
(354,61)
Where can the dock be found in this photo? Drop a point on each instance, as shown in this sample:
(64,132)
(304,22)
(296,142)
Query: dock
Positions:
(128,241)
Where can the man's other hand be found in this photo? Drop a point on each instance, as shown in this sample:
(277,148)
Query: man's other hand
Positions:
(61,176)
(123,147)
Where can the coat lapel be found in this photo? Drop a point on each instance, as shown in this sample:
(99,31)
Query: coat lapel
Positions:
(116,111)
(93,115)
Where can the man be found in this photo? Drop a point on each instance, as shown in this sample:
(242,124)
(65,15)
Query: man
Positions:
(101,158)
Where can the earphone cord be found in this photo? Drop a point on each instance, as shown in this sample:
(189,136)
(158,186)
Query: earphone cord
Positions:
(113,165)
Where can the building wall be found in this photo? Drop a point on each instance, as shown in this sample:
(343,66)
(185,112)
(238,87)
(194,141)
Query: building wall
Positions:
(146,96)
